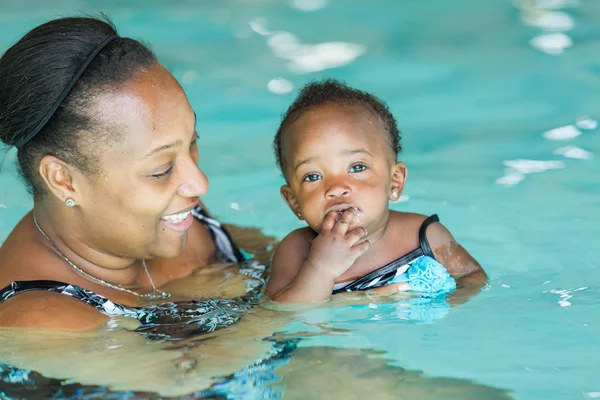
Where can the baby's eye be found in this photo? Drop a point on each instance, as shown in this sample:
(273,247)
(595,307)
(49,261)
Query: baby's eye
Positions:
(311,178)
(358,168)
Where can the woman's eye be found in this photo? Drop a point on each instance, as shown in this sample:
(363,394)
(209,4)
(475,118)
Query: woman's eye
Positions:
(311,178)
(194,147)
(162,174)
(358,168)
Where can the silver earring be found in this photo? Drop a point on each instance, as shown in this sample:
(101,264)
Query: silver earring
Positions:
(70,202)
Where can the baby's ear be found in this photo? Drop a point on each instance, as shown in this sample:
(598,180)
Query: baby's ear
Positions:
(290,200)
(398,174)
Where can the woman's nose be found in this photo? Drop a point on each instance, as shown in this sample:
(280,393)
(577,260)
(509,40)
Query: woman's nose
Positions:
(195,182)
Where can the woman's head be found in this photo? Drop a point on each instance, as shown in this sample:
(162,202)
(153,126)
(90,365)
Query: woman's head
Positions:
(121,144)
(337,148)
(35,71)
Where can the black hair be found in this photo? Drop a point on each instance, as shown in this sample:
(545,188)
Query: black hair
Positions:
(336,92)
(34,72)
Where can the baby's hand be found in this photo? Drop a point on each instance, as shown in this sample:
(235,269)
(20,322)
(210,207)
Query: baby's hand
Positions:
(336,248)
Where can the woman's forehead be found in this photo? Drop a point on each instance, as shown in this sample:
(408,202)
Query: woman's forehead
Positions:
(150,109)
(159,96)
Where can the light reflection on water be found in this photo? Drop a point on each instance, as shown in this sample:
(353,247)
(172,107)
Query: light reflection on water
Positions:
(304,58)
(552,41)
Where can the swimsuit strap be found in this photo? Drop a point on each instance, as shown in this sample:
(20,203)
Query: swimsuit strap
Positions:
(423,242)
(101,303)
(26,286)
(227,249)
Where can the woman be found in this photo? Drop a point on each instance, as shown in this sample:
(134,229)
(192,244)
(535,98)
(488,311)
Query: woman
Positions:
(106,144)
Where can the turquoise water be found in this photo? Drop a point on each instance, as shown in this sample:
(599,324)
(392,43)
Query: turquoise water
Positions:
(480,89)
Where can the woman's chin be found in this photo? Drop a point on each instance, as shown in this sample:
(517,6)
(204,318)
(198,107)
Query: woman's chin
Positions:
(171,248)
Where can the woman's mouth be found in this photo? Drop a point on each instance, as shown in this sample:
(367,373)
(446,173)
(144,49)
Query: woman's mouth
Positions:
(180,222)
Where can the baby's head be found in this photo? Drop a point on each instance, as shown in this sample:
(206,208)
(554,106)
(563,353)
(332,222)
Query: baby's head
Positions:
(337,148)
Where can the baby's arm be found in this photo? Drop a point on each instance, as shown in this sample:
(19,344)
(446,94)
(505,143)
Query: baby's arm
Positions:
(305,266)
(459,263)
(288,260)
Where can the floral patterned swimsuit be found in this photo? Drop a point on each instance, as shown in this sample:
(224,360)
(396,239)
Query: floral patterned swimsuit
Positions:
(178,319)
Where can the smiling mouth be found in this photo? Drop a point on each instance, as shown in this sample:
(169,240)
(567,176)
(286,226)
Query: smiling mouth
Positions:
(176,218)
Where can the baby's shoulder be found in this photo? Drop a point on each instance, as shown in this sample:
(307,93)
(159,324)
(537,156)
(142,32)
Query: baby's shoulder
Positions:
(409,223)
(289,255)
(298,240)
(300,234)
(406,221)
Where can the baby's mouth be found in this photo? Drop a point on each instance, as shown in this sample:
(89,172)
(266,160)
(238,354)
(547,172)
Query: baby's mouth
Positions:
(357,216)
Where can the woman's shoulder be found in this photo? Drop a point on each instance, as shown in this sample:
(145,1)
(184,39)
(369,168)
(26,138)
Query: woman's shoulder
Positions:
(20,253)
(24,258)
(44,309)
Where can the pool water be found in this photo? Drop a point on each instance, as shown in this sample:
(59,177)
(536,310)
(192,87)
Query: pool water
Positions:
(497,101)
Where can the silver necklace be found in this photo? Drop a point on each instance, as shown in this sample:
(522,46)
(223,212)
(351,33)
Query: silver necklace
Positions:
(152,296)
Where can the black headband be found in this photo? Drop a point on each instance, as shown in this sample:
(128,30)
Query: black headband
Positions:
(65,92)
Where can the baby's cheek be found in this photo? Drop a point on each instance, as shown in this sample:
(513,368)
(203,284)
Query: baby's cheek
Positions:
(315,223)
(373,213)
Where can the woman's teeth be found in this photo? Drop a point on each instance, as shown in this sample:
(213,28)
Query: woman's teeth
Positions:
(176,218)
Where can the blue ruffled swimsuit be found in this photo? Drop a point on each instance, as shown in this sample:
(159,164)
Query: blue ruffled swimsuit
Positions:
(419,268)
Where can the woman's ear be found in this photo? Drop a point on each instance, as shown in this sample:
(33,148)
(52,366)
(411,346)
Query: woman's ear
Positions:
(58,177)
(398,174)
(290,200)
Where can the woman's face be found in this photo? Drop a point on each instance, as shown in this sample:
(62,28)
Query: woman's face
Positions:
(139,203)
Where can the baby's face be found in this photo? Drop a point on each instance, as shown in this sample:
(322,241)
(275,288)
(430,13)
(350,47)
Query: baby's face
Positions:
(336,157)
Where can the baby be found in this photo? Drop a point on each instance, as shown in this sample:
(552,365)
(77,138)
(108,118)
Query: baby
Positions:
(337,148)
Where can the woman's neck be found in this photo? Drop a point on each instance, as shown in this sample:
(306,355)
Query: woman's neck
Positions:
(67,237)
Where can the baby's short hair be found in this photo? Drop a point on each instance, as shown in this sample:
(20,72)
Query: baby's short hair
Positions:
(336,92)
